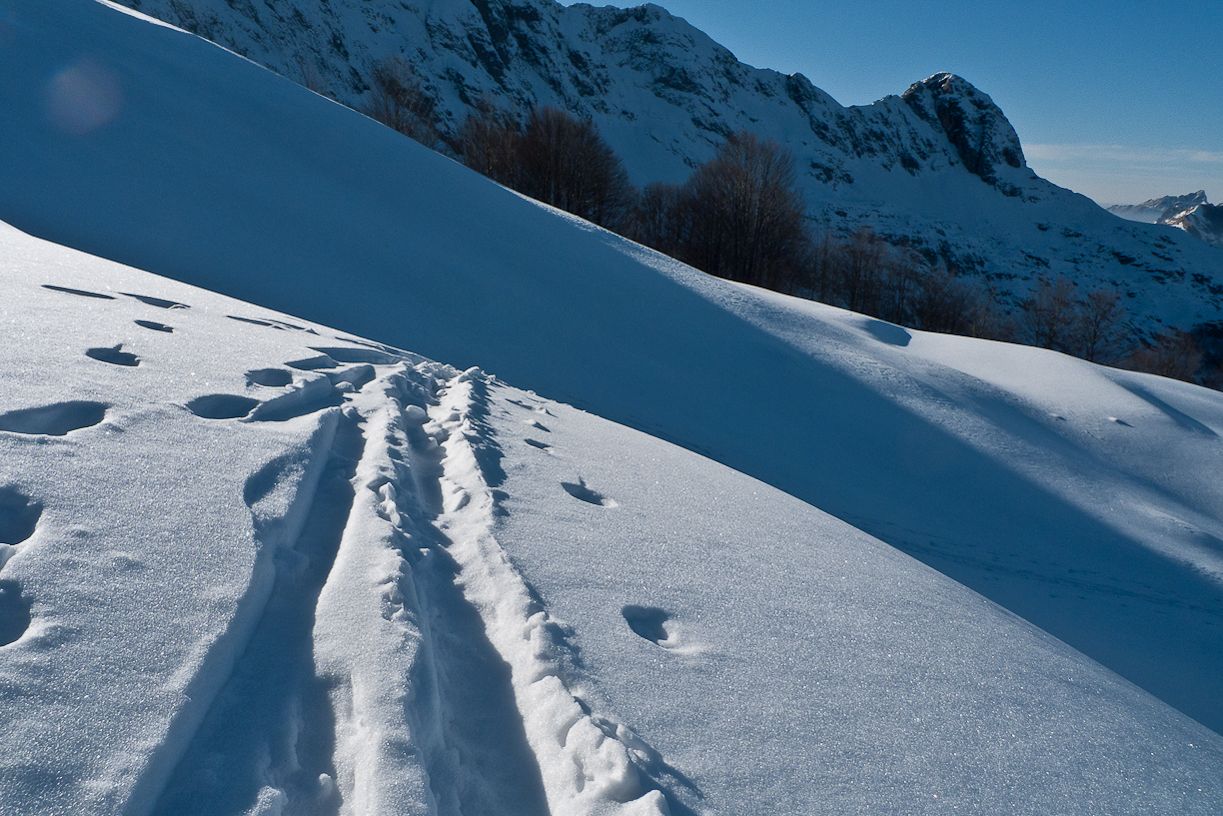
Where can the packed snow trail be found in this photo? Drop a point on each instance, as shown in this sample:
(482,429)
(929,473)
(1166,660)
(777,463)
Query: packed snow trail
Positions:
(584,767)
(495,728)
(418,683)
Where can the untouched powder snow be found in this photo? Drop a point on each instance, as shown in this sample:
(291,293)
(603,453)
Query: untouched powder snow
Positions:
(271,568)
(1081,498)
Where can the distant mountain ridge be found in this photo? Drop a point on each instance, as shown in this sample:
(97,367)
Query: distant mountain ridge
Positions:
(1156,210)
(938,168)
(1192,213)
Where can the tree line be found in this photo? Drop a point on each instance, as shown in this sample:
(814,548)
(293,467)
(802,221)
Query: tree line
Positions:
(740,216)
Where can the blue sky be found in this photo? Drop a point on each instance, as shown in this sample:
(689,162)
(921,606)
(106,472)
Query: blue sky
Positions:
(1121,100)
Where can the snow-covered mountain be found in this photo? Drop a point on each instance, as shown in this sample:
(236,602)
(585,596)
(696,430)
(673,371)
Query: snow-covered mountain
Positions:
(938,168)
(1157,210)
(1191,213)
(255,564)
(1203,221)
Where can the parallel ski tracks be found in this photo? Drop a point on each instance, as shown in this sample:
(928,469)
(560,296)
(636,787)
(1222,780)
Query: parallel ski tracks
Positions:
(400,663)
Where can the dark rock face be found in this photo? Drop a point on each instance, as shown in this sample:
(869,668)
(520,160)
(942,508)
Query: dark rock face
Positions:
(981,134)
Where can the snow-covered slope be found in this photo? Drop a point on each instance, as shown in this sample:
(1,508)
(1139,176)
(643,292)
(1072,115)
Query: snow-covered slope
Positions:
(1155,210)
(254,565)
(938,168)
(1079,497)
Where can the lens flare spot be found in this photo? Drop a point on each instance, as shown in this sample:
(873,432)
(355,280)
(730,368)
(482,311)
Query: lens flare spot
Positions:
(83,97)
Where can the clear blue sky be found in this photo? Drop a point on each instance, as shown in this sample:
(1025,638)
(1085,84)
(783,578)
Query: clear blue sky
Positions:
(1119,99)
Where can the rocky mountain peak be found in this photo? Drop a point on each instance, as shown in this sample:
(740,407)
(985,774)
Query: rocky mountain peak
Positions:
(977,128)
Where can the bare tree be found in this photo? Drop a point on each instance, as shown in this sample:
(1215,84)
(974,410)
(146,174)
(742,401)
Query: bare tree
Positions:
(489,142)
(863,271)
(747,219)
(900,286)
(565,162)
(660,218)
(940,306)
(1175,354)
(821,271)
(1050,314)
(398,100)
(1100,325)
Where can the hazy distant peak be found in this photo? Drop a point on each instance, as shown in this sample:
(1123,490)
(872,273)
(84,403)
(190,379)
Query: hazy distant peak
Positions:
(1160,210)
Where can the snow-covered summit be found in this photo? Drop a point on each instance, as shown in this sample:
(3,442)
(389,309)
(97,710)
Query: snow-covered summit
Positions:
(981,134)
(1156,210)
(1191,213)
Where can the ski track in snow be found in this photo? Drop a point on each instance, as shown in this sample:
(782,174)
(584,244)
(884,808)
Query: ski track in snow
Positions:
(391,659)
(473,714)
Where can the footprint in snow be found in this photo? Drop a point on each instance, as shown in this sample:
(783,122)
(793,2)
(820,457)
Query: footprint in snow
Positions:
(80,292)
(115,355)
(57,419)
(312,395)
(19,515)
(653,624)
(535,443)
(221,406)
(255,322)
(580,491)
(313,363)
(14,612)
(153,325)
(538,408)
(286,324)
(349,354)
(269,377)
(354,377)
(160,303)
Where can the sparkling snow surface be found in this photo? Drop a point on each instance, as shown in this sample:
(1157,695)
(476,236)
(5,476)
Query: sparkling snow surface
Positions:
(377,585)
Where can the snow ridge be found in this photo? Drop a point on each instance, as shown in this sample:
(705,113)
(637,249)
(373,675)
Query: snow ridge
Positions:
(227,704)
